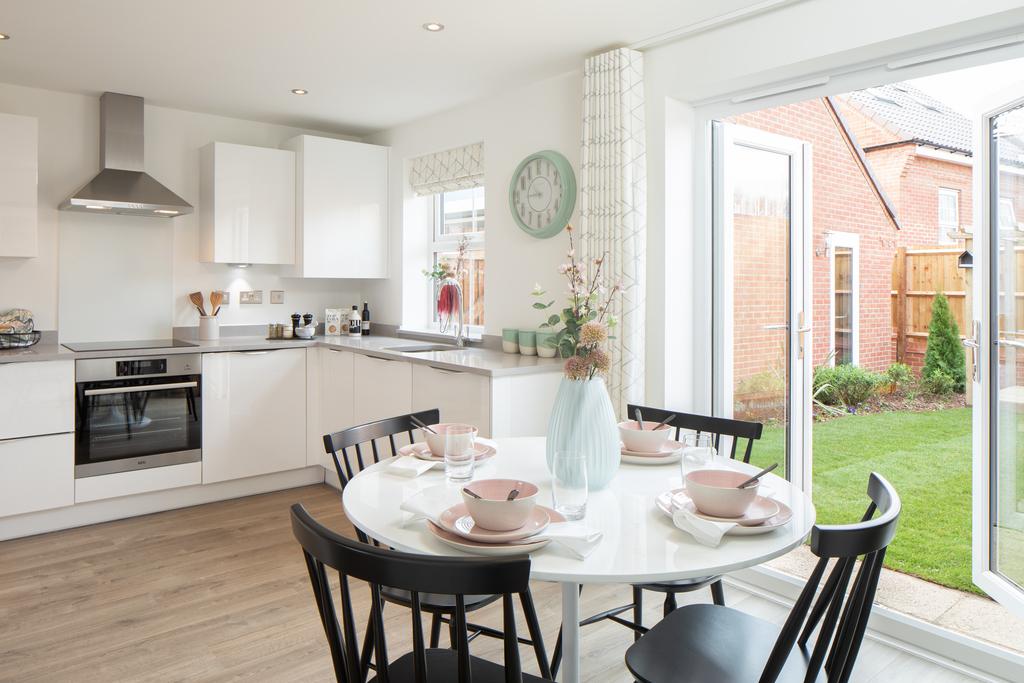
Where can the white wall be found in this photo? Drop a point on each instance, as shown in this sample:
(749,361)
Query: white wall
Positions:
(513,124)
(119,277)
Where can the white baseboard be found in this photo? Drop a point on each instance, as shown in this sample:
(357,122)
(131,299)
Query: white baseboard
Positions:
(94,512)
(957,652)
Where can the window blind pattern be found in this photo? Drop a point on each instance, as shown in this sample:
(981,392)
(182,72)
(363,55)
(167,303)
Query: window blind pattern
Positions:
(460,168)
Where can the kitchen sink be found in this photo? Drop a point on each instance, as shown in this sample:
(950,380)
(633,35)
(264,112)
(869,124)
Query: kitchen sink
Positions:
(423,348)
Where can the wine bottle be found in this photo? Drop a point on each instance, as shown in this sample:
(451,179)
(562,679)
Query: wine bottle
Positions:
(366,318)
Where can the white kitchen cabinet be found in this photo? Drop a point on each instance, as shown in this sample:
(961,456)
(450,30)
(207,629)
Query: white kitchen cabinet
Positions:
(37,398)
(341,200)
(19,185)
(329,397)
(254,413)
(246,204)
(36,473)
(382,388)
(460,396)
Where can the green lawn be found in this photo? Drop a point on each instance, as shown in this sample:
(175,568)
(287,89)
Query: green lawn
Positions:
(926,456)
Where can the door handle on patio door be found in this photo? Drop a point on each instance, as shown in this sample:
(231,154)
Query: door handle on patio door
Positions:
(802,330)
(780,326)
(974,343)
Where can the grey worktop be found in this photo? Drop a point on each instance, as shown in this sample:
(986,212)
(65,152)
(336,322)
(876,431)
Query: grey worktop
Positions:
(469,359)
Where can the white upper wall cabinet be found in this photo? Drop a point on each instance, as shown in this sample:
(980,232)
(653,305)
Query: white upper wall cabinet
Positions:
(341,224)
(19,182)
(246,204)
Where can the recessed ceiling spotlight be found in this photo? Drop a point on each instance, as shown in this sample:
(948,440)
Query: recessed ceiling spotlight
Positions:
(4,36)
(299,91)
(433,26)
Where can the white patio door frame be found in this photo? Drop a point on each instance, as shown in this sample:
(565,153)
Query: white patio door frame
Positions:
(725,136)
(986,343)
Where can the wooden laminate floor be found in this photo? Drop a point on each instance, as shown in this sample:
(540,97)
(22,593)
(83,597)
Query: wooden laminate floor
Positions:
(220,592)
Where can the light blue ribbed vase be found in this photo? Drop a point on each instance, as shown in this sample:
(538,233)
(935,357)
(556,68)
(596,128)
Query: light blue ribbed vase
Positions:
(583,420)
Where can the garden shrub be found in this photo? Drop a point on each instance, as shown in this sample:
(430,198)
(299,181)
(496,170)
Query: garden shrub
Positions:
(847,385)
(899,374)
(939,383)
(945,353)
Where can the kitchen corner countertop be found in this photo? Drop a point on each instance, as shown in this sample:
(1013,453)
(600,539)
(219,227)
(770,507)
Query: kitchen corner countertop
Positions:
(468,359)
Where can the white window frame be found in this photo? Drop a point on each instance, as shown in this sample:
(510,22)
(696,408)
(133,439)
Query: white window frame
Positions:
(850,241)
(944,228)
(447,243)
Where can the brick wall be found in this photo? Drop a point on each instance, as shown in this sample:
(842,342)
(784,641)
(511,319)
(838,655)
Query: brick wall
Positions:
(842,201)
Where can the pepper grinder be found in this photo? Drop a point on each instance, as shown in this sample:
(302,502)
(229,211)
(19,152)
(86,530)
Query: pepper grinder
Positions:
(307,319)
(296,319)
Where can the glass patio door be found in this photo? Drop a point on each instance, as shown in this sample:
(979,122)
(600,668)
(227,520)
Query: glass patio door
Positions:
(997,339)
(762,282)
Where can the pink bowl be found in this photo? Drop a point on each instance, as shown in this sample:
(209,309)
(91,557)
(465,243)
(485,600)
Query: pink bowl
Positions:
(492,510)
(714,492)
(650,440)
(436,441)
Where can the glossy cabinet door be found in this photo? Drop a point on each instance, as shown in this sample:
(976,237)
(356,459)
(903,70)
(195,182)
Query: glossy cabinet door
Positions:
(341,208)
(383,388)
(460,396)
(37,398)
(246,204)
(36,473)
(19,185)
(254,413)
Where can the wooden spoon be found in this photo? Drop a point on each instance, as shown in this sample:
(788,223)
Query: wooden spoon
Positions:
(197,300)
(216,298)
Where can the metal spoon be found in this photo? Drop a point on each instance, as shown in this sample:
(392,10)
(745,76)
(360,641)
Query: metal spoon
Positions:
(512,494)
(757,476)
(419,423)
(639,420)
(664,422)
(470,493)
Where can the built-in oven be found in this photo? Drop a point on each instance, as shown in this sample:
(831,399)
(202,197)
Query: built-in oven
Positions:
(137,412)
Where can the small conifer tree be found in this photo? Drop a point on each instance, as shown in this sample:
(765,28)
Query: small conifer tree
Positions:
(945,352)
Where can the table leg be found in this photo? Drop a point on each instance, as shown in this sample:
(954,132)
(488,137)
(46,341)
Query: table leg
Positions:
(570,633)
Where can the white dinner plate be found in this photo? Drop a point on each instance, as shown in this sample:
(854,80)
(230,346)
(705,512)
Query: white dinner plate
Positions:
(495,549)
(667,449)
(664,503)
(458,521)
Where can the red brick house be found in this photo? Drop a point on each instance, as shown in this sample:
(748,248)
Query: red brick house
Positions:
(891,167)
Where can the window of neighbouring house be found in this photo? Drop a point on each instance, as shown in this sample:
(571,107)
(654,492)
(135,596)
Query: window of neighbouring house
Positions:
(949,214)
(457,242)
(845,298)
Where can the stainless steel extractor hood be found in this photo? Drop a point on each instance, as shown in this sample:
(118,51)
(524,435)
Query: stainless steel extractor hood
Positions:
(122,185)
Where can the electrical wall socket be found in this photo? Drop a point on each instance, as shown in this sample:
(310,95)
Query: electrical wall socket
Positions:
(277,296)
(225,298)
(254,296)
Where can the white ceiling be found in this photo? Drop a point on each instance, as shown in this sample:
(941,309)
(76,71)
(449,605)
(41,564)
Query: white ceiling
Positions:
(368,64)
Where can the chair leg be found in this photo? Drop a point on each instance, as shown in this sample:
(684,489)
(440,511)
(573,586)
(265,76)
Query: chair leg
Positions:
(453,633)
(638,610)
(435,630)
(556,654)
(718,593)
(670,603)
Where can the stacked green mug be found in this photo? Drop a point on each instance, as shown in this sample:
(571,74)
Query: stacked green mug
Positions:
(546,346)
(510,340)
(528,342)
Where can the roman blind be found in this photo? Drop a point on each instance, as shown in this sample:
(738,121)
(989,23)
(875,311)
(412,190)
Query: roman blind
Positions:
(453,169)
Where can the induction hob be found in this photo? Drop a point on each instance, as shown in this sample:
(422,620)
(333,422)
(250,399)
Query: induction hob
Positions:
(127,345)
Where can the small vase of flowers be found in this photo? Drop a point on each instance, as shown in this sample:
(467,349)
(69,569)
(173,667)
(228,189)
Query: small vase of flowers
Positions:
(446,278)
(582,418)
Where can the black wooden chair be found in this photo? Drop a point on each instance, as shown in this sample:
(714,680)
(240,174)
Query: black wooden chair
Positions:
(716,427)
(356,448)
(715,643)
(419,575)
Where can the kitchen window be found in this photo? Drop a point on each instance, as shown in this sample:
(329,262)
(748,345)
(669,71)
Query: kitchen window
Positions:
(457,241)
(949,214)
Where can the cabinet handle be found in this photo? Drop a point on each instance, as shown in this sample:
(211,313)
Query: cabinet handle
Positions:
(335,350)
(386,360)
(254,353)
(445,370)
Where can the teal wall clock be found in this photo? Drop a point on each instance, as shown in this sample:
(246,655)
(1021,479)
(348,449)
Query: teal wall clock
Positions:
(542,194)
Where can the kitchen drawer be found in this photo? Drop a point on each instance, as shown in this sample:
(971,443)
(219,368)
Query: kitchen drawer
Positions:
(383,388)
(37,398)
(460,396)
(37,473)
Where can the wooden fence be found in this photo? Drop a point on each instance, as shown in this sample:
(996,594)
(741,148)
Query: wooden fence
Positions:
(917,275)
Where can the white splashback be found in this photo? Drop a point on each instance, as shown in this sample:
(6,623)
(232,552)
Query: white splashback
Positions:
(116,277)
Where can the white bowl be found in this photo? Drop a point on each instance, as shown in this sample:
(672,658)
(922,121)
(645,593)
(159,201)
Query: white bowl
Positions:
(650,440)
(714,492)
(436,441)
(305,332)
(492,510)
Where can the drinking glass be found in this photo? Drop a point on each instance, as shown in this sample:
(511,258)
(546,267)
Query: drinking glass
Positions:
(569,484)
(458,453)
(698,453)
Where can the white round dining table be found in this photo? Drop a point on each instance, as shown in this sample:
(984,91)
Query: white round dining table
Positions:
(640,544)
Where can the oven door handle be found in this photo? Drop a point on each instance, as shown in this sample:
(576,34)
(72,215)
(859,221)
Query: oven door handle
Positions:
(141,388)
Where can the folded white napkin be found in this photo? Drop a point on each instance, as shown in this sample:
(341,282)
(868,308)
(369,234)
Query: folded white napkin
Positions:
(576,537)
(409,466)
(703,531)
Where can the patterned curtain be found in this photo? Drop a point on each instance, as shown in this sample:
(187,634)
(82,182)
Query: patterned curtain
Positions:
(613,205)
(453,169)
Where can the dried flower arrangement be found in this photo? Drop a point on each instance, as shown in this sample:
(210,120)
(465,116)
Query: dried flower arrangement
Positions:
(445,276)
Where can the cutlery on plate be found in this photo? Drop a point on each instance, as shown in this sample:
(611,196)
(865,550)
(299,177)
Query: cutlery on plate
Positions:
(470,493)
(757,476)
(639,420)
(664,422)
(512,494)
(419,423)
(197,300)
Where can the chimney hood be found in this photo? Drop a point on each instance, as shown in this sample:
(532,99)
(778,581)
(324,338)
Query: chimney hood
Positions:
(122,185)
